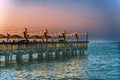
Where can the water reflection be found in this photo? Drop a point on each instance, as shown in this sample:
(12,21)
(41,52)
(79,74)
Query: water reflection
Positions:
(53,69)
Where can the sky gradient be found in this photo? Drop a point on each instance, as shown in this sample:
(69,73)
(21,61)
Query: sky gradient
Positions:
(101,18)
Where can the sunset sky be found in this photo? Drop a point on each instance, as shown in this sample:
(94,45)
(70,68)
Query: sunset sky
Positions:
(101,18)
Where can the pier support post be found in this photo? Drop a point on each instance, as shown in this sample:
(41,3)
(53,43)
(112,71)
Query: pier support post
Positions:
(40,56)
(67,53)
(19,57)
(11,54)
(51,55)
(57,54)
(47,55)
(72,52)
(6,59)
(75,52)
(30,56)
(63,53)
(81,52)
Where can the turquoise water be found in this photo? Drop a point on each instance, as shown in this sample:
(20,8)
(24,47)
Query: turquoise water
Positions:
(101,61)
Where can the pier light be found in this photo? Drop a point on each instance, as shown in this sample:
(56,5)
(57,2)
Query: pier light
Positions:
(76,32)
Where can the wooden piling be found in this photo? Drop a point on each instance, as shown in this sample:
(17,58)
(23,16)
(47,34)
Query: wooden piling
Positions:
(30,56)
(6,59)
(18,57)
(40,55)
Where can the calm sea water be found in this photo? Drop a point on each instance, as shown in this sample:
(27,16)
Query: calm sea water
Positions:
(100,62)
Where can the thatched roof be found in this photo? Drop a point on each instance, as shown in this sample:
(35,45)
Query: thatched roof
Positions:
(2,36)
(15,36)
(35,37)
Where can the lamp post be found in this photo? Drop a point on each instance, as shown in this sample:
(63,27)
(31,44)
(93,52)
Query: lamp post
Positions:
(64,36)
(26,35)
(76,35)
(8,37)
(45,34)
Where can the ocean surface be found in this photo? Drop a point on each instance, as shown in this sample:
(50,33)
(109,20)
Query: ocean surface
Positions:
(101,61)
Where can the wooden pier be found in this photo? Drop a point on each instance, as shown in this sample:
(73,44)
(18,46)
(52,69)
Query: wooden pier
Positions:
(43,50)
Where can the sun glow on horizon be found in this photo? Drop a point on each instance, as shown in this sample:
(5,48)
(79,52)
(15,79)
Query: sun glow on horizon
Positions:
(4,9)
